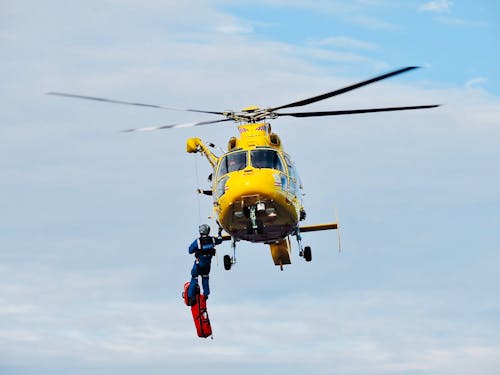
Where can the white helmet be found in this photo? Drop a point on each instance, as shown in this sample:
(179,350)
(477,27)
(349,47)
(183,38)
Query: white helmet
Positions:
(204,229)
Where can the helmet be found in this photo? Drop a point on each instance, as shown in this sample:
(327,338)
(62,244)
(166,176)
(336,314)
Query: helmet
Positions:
(204,229)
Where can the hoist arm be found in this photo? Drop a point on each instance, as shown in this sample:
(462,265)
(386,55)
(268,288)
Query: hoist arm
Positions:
(194,145)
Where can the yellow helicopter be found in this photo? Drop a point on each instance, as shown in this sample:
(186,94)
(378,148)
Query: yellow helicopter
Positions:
(256,190)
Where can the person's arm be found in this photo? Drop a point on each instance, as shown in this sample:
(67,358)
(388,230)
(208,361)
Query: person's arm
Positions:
(218,239)
(193,247)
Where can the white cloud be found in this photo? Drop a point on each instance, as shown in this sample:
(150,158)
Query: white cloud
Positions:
(348,332)
(345,42)
(372,22)
(339,57)
(475,82)
(234,29)
(438,6)
(455,21)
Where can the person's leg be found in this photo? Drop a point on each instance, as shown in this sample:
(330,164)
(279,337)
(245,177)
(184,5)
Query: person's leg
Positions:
(206,286)
(193,286)
(204,271)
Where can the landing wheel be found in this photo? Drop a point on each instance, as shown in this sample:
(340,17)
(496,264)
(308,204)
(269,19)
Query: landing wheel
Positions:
(227,262)
(307,253)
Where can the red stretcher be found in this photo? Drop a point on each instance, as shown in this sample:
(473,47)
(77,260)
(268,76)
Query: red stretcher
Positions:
(199,312)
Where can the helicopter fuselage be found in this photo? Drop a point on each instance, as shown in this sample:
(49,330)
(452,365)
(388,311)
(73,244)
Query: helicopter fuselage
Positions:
(255,186)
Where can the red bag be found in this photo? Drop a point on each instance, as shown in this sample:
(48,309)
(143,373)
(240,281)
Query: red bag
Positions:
(200,317)
(199,311)
(185,293)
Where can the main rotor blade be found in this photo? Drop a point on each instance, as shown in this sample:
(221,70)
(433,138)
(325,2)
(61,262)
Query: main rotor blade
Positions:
(76,96)
(184,125)
(343,90)
(355,111)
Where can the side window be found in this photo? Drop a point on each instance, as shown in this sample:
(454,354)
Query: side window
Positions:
(221,187)
(232,162)
(291,168)
(267,159)
(292,173)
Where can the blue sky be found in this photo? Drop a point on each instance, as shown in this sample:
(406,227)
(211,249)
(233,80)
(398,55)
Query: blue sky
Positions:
(458,39)
(95,224)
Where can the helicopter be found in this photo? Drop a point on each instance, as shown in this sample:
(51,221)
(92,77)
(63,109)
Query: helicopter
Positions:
(256,190)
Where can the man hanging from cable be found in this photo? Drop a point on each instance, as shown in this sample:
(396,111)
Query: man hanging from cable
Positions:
(203,249)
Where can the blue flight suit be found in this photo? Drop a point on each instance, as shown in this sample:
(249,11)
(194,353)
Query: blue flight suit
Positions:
(204,249)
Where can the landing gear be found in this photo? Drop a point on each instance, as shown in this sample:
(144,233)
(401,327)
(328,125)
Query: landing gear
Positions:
(227,262)
(303,252)
(230,260)
(307,253)
(302,215)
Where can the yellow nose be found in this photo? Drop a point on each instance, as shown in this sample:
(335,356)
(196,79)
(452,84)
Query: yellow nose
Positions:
(252,182)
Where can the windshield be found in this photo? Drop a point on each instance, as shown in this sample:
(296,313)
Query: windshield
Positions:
(266,159)
(233,162)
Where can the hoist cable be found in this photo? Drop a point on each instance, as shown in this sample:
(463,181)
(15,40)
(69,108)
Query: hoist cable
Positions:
(197,187)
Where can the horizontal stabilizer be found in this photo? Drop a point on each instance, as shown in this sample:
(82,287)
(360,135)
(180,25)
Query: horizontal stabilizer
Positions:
(313,228)
(303,229)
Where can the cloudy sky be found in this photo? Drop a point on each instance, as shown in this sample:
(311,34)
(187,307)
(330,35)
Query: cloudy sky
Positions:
(95,223)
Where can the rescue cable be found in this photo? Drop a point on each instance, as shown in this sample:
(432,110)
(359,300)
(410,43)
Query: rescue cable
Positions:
(197,184)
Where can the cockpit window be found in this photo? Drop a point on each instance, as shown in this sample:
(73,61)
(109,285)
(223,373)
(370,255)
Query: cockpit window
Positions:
(266,159)
(233,162)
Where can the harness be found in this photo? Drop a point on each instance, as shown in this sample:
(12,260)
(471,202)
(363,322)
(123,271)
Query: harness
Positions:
(206,247)
(206,250)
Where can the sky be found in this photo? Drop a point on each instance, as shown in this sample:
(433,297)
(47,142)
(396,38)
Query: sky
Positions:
(95,223)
